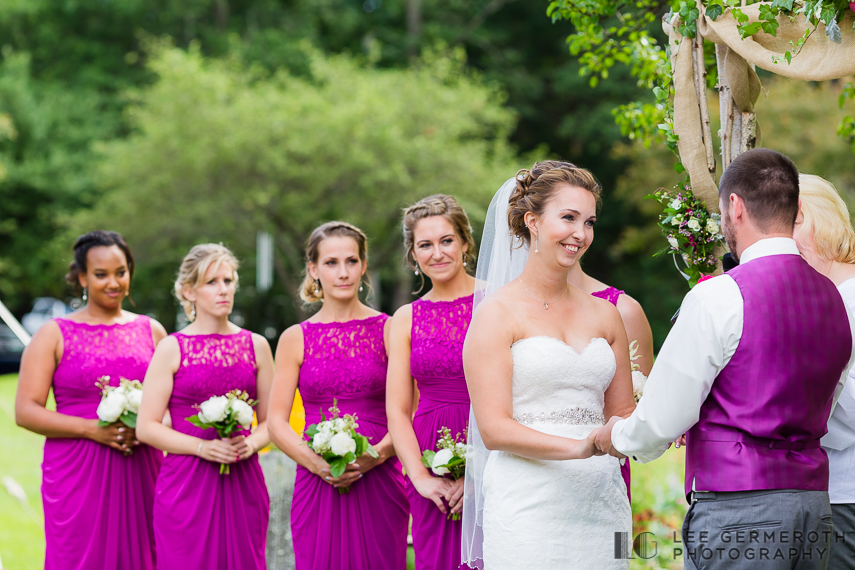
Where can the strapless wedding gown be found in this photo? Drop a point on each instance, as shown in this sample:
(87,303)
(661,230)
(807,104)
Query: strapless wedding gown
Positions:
(556,514)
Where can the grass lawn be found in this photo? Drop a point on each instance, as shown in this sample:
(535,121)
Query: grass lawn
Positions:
(22,542)
(657,490)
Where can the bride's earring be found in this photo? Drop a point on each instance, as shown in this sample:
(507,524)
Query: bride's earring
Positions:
(535,243)
(360,285)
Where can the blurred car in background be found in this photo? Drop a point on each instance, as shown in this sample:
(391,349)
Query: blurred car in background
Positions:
(10,350)
(44,309)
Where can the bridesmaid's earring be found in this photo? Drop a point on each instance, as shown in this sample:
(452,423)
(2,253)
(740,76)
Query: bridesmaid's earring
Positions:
(465,258)
(317,286)
(127,293)
(417,269)
(192,312)
(85,296)
(360,286)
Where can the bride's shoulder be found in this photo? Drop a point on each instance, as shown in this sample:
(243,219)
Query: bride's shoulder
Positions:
(496,308)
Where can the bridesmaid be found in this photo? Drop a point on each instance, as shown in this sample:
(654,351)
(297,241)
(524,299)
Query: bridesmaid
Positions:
(97,494)
(426,364)
(203,519)
(340,353)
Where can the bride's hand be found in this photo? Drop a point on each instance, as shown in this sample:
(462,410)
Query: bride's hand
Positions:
(587,447)
(433,488)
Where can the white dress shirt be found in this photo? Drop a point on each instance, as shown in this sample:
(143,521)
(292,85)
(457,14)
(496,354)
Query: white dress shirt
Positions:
(839,442)
(699,346)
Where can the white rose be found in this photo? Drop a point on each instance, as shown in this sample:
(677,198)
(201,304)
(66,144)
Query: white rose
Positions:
(319,442)
(674,243)
(341,444)
(712,226)
(638,381)
(676,204)
(694,225)
(442,457)
(338,424)
(134,401)
(243,413)
(214,409)
(676,220)
(111,407)
(326,428)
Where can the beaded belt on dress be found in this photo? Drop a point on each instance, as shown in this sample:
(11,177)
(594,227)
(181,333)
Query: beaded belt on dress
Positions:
(577,416)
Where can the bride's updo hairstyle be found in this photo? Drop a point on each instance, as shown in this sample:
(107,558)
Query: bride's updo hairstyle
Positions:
(311,291)
(447,207)
(535,187)
(196,264)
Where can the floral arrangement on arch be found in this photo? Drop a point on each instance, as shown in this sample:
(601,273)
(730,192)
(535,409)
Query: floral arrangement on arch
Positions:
(691,231)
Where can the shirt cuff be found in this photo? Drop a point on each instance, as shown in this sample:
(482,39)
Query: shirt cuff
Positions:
(621,443)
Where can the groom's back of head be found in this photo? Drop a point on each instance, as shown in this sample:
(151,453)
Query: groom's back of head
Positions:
(768,183)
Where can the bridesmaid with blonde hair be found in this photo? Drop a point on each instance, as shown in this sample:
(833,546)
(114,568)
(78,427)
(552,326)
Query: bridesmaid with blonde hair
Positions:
(426,365)
(339,356)
(202,518)
(97,481)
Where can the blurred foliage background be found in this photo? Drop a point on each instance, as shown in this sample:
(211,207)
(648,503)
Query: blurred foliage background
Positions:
(182,121)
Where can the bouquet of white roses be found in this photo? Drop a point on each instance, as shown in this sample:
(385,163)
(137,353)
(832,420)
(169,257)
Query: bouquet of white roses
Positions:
(338,443)
(225,414)
(119,403)
(450,459)
(638,377)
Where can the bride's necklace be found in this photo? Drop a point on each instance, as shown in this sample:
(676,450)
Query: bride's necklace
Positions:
(545,303)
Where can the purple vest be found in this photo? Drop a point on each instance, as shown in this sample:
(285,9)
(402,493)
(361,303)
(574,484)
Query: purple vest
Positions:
(760,426)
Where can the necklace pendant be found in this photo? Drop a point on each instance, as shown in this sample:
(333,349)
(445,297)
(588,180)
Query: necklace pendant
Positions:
(546,305)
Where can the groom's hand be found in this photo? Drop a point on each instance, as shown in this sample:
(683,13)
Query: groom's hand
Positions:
(604,438)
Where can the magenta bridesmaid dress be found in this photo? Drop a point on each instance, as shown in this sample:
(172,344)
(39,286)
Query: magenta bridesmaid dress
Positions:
(203,519)
(365,529)
(611,294)
(436,363)
(97,501)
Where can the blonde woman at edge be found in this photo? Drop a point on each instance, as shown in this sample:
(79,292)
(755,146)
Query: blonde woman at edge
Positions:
(203,519)
(426,352)
(825,238)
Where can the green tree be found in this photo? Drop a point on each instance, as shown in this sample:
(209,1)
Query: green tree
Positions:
(218,152)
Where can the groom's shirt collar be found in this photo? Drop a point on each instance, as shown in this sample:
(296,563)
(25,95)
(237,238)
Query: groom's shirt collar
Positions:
(769,246)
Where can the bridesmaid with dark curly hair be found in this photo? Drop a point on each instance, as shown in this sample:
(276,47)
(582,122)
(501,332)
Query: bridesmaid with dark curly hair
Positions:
(98,481)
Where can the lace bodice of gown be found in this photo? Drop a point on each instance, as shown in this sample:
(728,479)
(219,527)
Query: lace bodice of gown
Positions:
(552,382)
(90,352)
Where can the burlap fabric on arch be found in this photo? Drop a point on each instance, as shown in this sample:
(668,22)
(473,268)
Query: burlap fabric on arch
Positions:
(819,60)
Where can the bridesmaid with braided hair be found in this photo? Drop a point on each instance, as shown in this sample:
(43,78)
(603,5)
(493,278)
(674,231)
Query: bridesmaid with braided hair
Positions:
(339,355)
(426,364)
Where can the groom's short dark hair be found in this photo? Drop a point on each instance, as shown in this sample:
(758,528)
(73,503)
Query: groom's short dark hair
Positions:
(768,183)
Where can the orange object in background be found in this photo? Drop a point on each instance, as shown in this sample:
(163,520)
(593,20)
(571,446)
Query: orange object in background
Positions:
(298,414)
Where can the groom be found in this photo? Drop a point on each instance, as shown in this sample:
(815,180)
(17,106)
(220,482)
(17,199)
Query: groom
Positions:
(749,373)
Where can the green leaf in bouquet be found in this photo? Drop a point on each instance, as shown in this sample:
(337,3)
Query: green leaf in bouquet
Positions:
(361,444)
(329,456)
(312,430)
(454,462)
(427,458)
(129,419)
(197,422)
(349,457)
(102,423)
(337,467)
(372,452)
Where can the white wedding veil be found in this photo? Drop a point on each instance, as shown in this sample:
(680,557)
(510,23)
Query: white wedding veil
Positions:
(500,260)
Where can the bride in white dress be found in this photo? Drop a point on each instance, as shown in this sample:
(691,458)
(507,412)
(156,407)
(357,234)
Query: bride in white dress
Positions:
(545,363)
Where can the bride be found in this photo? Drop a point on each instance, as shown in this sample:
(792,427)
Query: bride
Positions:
(545,363)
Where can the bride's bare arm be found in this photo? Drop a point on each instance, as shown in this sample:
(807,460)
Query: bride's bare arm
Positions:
(488,366)
(618,396)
